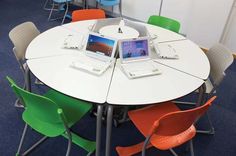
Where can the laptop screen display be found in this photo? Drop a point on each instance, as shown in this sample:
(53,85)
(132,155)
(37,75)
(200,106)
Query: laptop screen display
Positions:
(100,45)
(134,48)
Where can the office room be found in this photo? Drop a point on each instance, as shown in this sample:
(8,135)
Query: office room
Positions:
(118,77)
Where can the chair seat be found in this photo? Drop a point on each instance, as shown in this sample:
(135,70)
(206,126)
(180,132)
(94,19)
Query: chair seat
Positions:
(144,119)
(61,1)
(108,2)
(73,110)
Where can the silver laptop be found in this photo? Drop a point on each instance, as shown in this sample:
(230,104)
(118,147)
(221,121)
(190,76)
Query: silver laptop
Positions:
(143,32)
(135,58)
(105,22)
(99,51)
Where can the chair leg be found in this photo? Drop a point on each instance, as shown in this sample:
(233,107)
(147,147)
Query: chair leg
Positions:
(22,139)
(18,103)
(173,152)
(145,145)
(49,17)
(67,6)
(35,145)
(69,146)
(191,147)
(211,130)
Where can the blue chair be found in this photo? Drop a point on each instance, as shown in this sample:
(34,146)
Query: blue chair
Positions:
(60,4)
(110,3)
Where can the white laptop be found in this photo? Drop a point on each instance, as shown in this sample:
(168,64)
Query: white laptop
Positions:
(165,51)
(135,58)
(99,51)
(105,22)
(143,32)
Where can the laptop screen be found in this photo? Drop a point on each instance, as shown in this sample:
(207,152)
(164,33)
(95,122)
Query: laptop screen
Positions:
(134,49)
(100,45)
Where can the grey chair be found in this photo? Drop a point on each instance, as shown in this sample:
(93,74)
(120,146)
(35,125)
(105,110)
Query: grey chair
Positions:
(21,36)
(220,58)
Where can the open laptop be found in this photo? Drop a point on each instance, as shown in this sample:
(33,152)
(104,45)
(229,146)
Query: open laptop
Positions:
(105,22)
(143,32)
(135,58)
(99,51)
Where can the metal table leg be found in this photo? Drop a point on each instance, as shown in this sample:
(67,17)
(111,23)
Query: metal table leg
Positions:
(27,79)
(201,97)
(99,129)
(109,129)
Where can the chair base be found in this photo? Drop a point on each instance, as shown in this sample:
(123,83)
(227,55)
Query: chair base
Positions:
(18,104)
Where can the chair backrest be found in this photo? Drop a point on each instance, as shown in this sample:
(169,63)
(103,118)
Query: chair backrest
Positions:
(177,122)
(220,59)
(108,2)
(21,36)
(87,14)
(164,22)
(38,107)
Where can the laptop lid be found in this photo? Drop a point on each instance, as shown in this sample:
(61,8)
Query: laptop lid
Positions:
(100,47)
(134,49)
(105,22)
(143,32)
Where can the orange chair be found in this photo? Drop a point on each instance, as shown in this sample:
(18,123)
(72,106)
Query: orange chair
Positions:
(87,14)
(165,126)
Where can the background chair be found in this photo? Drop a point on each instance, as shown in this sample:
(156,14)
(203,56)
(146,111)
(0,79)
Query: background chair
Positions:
(220,58)
(87,14)
(58,4)
(52,115)
(164,22)
(110,3)
(165,126)
(21,36)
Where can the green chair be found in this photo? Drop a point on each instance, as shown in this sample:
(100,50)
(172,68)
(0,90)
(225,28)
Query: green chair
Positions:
(164,22)
(52,115)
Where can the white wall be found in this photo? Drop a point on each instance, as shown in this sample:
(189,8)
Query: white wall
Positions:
(230,34)
(207,21)
(201,20)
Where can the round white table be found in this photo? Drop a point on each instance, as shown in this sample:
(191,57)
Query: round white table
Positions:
(50,63)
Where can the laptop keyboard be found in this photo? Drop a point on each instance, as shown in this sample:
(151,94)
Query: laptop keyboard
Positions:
(91,65)
(140,69)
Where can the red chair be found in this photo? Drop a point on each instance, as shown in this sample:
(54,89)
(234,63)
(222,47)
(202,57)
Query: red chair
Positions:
(87,14)
(165,126)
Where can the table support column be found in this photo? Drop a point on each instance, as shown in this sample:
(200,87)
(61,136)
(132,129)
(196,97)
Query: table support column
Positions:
(99,129)
(201,97)
(109,129)
(27,79)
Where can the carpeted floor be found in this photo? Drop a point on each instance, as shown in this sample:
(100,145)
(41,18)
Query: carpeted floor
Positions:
(14,12)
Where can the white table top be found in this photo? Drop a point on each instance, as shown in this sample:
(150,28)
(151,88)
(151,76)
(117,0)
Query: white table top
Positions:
(112,31)
(51,64)
(192,59)
(50,43)
(169,85)
(56,73)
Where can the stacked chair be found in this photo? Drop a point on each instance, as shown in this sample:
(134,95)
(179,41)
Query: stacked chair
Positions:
(160,124)
(110,3)
(52,115)
(59,4)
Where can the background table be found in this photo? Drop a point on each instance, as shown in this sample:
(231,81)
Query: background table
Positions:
(50,63)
